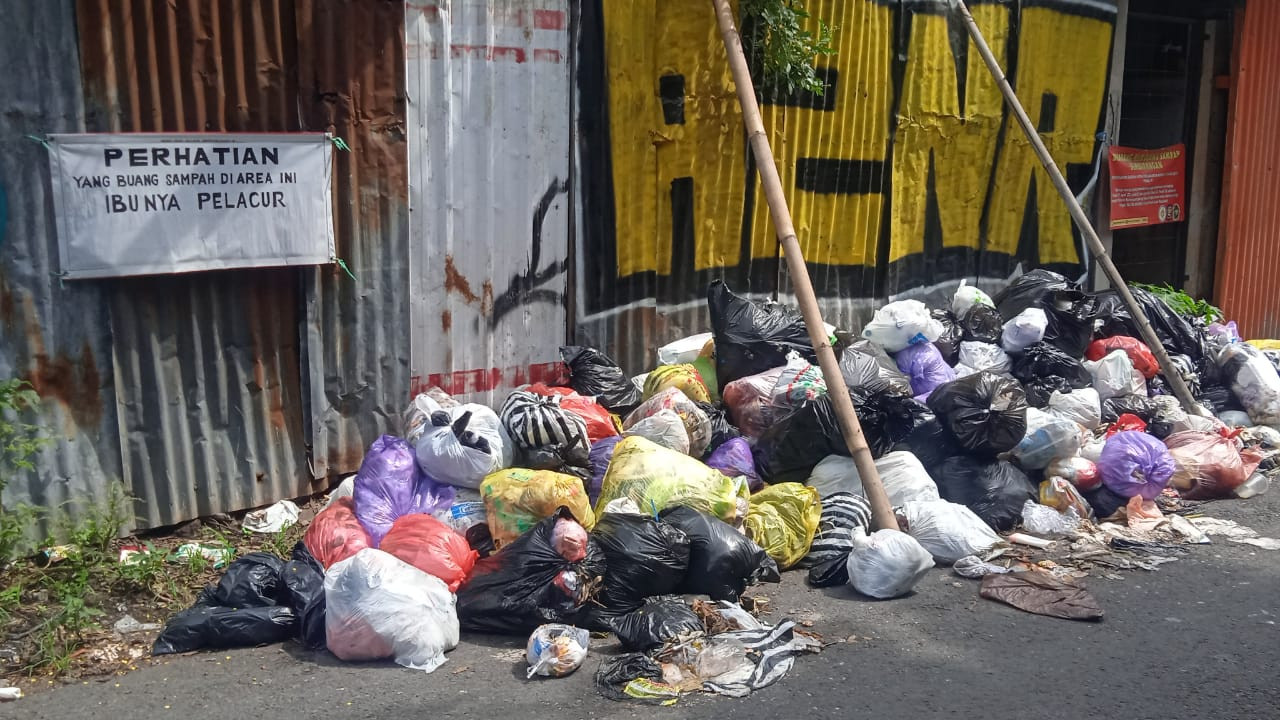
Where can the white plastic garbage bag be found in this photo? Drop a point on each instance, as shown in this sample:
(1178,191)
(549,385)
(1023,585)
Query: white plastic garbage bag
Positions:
(984,356)
(900,324)
(950,531)
(966,297)
(1024,330)
(445,458)
(901,473)
(888,564)
(1082,406)
(346,488)
(684,350)
(1254,381)
(378,606)
(1114,375)
(665,428)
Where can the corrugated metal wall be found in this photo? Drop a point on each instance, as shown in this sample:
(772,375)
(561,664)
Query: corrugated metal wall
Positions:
(56,336)
(1248,249)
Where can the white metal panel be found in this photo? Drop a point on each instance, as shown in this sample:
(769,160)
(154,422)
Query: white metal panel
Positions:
(489,115)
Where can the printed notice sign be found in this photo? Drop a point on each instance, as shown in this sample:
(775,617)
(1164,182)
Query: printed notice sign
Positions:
(145,204)
(1148,187)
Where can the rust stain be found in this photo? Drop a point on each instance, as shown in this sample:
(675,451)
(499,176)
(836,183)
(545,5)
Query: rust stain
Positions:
(7,304)
(454,281)
(446,321)
(77,385)
(486,300)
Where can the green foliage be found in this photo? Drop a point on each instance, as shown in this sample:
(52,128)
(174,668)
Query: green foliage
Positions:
(1182,303)
(782,47)
(19,442)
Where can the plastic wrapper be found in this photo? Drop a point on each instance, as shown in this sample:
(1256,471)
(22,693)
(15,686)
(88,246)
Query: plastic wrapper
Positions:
(656,623)
(684,377)
(517,499)
(1048,437)
(1048,523)
(902,323)
(926,367)
(984,356)
(749,402)
(594,374)
(903,476)
(336,534)
(1135,464)
(1025,329)
(1254,381)
(948,343)
(982,324)
(734,459)
(1212,465)
(462,445)
(888,564)
(599,421)
(696,422)
(389,484)
(655,478)
(665,428)
(993,489)
(1139,354)
(1059,494)
(377,606)
(1044,360)
(534,422)
(794,445)
(530,582)
(1082,407)
(601,455)
(1080,472)
(431,546)
(645,557)
(722,560)
(1114,375)
(987,414)
(799,382)
(966,296)
(752,338)
(783,519)
(949,531)
(556,650)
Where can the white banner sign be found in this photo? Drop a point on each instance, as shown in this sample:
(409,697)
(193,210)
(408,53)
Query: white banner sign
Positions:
(144,204)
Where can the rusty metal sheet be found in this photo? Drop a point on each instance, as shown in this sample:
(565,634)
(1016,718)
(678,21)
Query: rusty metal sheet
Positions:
(490,142)
(1248,254)
(55,336)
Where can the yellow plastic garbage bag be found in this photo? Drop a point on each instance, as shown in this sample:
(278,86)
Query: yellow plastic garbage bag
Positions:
(1265,344)
(656,478)
(685,378)
(783,519)
(515,500)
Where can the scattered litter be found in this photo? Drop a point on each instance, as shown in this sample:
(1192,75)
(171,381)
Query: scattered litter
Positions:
(272,519)
(218,557)
(1042,594)
(10,693)
(129,625)
(973,566)
(556,650)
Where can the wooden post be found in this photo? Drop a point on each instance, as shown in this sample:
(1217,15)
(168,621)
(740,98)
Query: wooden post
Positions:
(882,512)
(1077,213)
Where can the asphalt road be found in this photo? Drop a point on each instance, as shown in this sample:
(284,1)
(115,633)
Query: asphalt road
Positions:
(1197,639)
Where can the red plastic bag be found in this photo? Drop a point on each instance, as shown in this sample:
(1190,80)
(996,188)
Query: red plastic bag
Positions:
(1138,352)
(431,546)
(336,534)
(1211,465)
(600,422)
(1127,421)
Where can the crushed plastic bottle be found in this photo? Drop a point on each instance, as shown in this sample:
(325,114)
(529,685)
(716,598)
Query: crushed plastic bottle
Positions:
(1255,485)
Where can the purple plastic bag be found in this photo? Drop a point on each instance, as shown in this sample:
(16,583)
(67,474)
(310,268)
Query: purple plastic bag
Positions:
(926,367)
(1134,463)
(601,454)
(734,459)
(389,484)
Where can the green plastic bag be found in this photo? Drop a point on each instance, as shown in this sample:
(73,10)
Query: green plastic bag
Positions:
(656,478)
(783,519)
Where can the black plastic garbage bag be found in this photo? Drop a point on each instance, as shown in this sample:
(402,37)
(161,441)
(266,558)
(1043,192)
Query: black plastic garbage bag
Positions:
(1137,405)
(722,431)
(722,561)
(948,343)
(1029,290)
(930,442)
(1112,315)
(985,413)
(529,583)
(752,338)
(1218,398)
(1045,360)
(654,624)
(1070,314)
(1104,501)
(644,557)
(866,366)
(250,581)
(1040,389)
(613,676)
(982,324)
(832,573)
(303,578)
(994,490)
(789,450)
(216,626)
(594,374)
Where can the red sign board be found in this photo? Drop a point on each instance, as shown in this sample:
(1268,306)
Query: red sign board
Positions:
(1148,187)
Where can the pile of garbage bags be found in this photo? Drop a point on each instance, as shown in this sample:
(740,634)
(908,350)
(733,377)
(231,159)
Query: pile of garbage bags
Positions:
(591,506)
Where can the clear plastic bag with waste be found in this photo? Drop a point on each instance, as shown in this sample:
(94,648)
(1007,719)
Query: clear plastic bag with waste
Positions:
(556,650)
(984,356)
(966,296)
(1254,381)
(1048,523)
(1048,437)
(664,428)
(950,531)
(1114,375)
(1082,407)
(1024,330)
(888,564)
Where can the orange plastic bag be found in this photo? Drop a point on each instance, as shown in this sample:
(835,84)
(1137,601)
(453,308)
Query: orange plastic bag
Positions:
(336,534)
(600,422)
(431,546)
(1212,465)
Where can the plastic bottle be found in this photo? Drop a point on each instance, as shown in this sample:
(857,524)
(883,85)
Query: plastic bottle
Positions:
(1255,485)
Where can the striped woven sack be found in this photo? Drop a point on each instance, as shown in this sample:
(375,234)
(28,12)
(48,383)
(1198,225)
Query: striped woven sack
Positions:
(536,421)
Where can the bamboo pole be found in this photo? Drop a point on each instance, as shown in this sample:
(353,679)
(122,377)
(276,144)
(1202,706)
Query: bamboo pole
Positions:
(882,512)
(1077,214)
